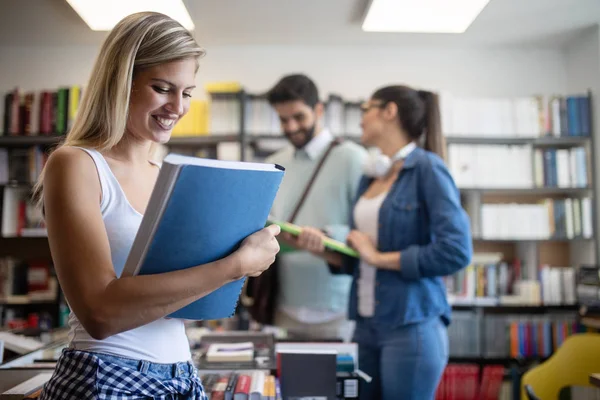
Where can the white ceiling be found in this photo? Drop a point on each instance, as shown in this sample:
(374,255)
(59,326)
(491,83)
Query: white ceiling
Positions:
(530,23)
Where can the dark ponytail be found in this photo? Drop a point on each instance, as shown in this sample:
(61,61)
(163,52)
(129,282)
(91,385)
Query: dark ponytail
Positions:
(418,115)
(434,140)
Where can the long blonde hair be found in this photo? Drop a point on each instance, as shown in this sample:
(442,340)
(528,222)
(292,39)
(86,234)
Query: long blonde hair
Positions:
(139,41)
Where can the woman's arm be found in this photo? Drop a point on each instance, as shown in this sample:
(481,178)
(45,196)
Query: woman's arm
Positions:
(81,254)
(451,248)
(368,252)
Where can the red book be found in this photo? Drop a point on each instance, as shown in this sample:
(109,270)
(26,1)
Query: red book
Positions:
(45,127)
(218,391)
(242,388)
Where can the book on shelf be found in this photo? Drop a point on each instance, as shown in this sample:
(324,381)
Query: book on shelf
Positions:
(522,116)
(567,218)
(42,112)
(489,281)
(240,384)
(319,373)
(225,110)
(20,216)
(230,352)
(518,166)
(509,334)
(467,381)
(588,290)
(200,211)
(195,121)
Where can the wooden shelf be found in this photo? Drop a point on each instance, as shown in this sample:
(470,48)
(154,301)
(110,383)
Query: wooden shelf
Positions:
(520,240)
(278,136)
(27,302)
(494,360)
(25,248)
(538,191)
(545,141)
(515,309)
(21,141)
(205,140)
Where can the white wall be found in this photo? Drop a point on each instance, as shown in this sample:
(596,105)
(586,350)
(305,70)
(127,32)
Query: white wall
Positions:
(582,59)
(354,72)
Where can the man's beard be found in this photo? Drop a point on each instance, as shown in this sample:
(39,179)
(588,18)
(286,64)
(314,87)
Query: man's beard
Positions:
(307,134)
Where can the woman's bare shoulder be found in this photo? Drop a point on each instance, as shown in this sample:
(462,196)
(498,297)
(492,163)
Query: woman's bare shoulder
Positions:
(68,165)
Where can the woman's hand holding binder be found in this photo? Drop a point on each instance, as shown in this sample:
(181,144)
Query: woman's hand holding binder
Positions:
(257,252)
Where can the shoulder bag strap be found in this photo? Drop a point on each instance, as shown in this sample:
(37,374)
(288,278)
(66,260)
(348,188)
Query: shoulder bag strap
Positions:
(334,143)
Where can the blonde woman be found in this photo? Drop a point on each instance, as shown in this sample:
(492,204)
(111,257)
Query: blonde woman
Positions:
(95,189)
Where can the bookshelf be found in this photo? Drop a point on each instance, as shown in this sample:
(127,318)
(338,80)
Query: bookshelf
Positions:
(247,126)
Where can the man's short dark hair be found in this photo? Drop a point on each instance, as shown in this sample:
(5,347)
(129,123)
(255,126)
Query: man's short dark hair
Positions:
(292,88)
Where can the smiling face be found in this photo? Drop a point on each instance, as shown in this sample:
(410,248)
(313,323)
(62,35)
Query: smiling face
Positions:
(160,97)
(299,121)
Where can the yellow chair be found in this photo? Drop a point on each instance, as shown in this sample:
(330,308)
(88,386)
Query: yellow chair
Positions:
(570,365)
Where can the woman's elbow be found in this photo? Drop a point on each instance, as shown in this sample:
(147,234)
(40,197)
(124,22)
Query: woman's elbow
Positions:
(462,254)
(98,325)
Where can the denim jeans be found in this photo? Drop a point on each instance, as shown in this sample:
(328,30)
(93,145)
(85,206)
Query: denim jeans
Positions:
(156,370)
(405,363)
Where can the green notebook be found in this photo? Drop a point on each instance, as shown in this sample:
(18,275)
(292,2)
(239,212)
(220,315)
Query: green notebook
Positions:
(329,243)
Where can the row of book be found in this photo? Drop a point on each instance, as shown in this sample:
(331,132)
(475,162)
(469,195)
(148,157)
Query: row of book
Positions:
(20,215)
(588,287)
(225,113)
(43,112)
(494,282)
(248,385)
(21,165)
(466,381)
(588,295)
(23,283)
(343,117)
(260,118)
(510,335)
(563,168)
(550,218)
(520,166)
(531,116)
(195,122)
(53,111)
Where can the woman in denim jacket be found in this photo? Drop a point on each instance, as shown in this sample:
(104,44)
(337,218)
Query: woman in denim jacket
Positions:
(410,230)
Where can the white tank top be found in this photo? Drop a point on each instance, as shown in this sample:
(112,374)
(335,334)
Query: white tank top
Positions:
(161,341)
(366,217)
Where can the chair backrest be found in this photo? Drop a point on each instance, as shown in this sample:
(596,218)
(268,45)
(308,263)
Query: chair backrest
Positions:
(570,365)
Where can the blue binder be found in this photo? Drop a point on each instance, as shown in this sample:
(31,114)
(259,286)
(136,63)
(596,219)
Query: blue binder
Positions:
(200,211)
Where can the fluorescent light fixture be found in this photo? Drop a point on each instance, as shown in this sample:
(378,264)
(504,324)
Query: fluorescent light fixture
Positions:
(103,15)
(424,16)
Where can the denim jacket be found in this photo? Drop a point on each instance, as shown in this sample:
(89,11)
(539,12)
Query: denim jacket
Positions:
(421,217)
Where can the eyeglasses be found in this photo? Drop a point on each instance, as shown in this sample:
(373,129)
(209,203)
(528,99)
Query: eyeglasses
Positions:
(367,106)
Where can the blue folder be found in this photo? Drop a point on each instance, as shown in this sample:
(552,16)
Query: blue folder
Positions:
(200,211)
